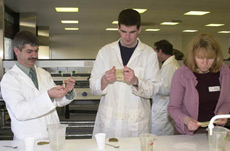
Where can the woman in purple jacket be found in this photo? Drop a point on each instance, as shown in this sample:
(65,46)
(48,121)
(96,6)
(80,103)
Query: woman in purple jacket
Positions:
(201,88)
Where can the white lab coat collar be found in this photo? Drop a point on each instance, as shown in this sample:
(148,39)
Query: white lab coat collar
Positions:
(27,78)
(169,60)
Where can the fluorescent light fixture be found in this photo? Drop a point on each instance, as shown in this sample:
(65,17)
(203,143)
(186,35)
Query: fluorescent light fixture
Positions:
(66,9)
(140,10)
(71,28)
(196,13)
(43,33)
(115,22)
(27,24)
(214,25)
(69,21)
(111,29)
(152,29)
(224,32)
(169,23)
(190,31)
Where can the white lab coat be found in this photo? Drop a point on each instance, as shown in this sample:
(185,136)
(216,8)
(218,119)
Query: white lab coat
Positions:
(123,110)
(30,109)
(162,124)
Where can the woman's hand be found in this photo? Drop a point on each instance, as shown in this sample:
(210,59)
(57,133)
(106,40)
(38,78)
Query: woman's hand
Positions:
(221,121)
(191,123)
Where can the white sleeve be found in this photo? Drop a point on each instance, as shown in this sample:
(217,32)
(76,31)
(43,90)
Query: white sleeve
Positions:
(149,85)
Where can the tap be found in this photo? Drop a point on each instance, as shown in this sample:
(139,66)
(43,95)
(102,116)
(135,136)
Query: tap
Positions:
(211,126)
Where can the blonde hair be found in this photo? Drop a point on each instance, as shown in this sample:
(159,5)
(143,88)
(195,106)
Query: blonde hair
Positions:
(209,47)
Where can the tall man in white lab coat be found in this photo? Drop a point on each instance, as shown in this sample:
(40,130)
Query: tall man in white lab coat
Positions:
(29,92)
(124,109)
(162,124)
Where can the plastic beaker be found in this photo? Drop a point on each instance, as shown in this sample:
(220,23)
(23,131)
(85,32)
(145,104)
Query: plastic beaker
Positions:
(218,138)
(57,134)
(147,141)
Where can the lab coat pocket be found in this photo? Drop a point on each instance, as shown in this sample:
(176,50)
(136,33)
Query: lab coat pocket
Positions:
(135,119)
(105,117)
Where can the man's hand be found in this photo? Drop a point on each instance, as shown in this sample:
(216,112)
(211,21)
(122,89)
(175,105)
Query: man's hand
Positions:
(69,84)
(57,92)
(109,77)
(129,76)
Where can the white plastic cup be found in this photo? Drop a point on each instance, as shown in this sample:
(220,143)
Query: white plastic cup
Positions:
(100,139)
(29,143)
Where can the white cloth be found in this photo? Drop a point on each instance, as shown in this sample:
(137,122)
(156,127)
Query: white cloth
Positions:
(162,124)
(30,109)
(123,110)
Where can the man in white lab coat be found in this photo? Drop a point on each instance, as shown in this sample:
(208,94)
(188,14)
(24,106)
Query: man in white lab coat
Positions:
(162,124)
(124,109)
(29,92)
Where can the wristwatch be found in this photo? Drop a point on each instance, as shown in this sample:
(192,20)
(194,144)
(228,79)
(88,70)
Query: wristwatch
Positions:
(135,85)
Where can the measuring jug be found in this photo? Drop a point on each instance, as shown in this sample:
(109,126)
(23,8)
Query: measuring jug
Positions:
(147,141)
(218,138)
(57,134)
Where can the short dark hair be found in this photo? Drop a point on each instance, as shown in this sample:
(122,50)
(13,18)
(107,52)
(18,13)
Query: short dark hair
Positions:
(129,17)
(25,37)
(165,46)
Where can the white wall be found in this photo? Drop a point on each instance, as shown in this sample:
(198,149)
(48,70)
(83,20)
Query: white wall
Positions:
(223,39)
(78,46)
(43,52)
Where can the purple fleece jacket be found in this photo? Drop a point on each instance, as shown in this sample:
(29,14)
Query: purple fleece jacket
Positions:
(184,98)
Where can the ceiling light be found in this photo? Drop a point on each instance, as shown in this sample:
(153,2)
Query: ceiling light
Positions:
(224,32)
(169,23)
(115,22)
(152,29)
(69,21)
(190,31)
(214,25)
(71,28)
(66,9)
(43,33)
(140,10)
(27,24)
(196,13)
(111,29)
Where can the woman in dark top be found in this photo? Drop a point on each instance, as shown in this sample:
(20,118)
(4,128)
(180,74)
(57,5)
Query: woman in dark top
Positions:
(200,88)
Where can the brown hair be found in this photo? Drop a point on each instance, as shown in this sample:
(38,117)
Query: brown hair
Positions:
(210,48)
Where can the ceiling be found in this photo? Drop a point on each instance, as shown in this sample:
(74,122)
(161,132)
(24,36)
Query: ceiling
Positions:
(96,15)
